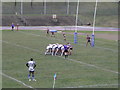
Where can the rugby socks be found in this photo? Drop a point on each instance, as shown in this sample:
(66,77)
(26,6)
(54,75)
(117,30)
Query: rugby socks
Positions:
(32,77)
(66,56)
(29,76)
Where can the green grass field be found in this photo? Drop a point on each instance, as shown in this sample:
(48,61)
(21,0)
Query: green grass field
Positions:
(95,67)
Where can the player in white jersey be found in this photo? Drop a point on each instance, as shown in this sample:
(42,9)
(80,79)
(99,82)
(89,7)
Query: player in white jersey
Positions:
(31,67)
(49,49)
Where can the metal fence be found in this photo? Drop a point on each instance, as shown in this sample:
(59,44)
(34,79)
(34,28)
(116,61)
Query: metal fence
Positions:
(39,8)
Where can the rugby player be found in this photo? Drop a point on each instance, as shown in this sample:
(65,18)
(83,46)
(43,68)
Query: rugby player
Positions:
(13,26)
(31,68)
(66,51)
(88,40)
(64,35)
(47,33)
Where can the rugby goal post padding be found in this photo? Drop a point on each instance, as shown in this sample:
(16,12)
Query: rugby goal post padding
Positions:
(76,23)
(93,40)
(75,38)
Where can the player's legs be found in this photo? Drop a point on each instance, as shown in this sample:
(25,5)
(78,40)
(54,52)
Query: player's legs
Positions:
(12,28)
(46,51)
(62,52)
(86,43)
(17,28)
(53,50)
(90,43)
(64,39)
(33,77)
(29,75)
(66,54)
(53,34)
(70,51)
(50,50)
(47,33)
(56,51)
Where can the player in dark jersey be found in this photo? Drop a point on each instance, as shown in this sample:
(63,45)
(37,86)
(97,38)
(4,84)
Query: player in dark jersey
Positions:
(88,40)
(64,36)
(17,26)
(47,33)
(66,51)
(13,26)
(70,48)
(52,34)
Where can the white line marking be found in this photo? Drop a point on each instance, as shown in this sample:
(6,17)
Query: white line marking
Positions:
(68,59)
(116,51)
(20,46)
(12,77)
(97,85)
(17,80)
(91,65)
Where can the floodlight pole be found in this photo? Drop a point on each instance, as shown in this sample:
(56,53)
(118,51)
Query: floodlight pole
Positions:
(76,23)
(21,7)
(68,6)
(15,2)
(44,6)
(31,3)
(93,36)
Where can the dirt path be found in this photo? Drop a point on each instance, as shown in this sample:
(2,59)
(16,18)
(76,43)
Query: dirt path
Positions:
(102,35)
(107,36)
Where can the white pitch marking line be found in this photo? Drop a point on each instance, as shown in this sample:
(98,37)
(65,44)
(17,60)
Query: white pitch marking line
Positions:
(116,51)
(91,65)
(20,46)
(5,75)
(97,85)
(68,58)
